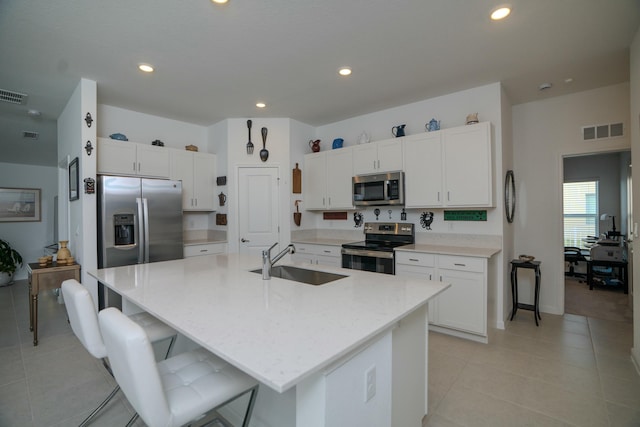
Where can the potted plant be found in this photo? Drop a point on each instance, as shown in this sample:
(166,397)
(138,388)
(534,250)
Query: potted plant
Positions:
(10,260)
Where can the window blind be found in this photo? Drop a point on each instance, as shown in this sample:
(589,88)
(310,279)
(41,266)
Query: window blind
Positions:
(580,211)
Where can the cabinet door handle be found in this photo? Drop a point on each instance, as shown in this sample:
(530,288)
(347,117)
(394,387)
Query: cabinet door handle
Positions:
(329,201)
(374,164)
(196,201)
(429,277)
(327,252)
(448,197)
(323,201)
(438,196)
(138,166)
(204,250)
(134,166)
(378,164)
(441,278)
(460,265)
(413,259)
(243,240)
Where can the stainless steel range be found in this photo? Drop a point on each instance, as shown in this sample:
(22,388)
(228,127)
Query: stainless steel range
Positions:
(375,253)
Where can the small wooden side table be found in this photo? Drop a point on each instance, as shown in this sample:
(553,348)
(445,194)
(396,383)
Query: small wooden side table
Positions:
(43,279)
(535,266)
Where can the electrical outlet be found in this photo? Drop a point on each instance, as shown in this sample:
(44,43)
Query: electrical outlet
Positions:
(369,383)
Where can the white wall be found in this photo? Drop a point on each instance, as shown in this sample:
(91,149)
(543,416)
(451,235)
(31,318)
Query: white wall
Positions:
(543,132)
(30,238)
(144,128)
(635,156)
(278,145)
(73,133)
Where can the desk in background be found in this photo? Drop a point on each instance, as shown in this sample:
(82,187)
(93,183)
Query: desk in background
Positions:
(622,267)
(43,279)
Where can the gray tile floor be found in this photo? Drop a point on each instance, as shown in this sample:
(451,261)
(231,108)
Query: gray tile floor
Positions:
(571,371)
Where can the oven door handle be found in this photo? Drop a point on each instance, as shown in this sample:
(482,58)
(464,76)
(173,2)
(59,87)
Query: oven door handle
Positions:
(365,253)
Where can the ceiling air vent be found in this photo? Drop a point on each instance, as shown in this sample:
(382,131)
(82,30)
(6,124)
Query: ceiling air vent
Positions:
(594,132)
(30,135)
(13,97)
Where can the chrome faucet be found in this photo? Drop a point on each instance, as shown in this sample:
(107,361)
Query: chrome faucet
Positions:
(267,262)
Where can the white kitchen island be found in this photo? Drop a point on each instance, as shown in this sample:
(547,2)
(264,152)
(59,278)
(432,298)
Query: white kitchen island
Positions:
(352,352)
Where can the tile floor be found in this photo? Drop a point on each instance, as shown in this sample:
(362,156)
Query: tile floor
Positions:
(571,371)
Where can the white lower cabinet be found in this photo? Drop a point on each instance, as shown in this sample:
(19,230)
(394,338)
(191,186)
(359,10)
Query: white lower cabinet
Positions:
(205,249)
(461,309)
(317,254)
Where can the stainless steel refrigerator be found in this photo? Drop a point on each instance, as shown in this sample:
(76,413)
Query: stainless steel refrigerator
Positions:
(139,221)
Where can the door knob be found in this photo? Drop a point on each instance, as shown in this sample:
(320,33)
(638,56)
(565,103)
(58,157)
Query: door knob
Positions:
(243,240)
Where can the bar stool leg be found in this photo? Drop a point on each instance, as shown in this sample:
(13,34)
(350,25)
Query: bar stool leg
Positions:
(536,314)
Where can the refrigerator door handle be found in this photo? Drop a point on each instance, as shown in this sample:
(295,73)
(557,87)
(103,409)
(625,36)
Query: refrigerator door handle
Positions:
(141,227)
(145,208)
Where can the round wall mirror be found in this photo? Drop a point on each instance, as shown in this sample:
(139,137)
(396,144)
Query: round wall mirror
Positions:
(509,195)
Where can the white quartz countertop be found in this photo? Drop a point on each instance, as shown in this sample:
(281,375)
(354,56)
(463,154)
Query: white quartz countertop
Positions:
(277,331)
(479,252)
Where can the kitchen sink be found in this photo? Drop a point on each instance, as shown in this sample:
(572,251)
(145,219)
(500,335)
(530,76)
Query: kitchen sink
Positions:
(310,277)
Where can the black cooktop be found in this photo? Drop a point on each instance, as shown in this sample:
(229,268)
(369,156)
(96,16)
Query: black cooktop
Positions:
(374,246)
(384,236)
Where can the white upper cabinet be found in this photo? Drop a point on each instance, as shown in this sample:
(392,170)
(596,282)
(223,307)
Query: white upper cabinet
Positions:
(449,168)
(423,170)
(380,156)
(327,180)
(467,165)
(129,158)
(197,171)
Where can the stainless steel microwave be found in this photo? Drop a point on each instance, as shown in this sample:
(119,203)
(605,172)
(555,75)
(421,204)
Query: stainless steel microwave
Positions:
(378,189)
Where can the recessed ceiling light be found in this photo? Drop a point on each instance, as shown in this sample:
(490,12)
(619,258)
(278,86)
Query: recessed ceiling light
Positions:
(344,71)
(219,1)
(545,86)
(500,12)
(568,80)
(146,68)
(260,104)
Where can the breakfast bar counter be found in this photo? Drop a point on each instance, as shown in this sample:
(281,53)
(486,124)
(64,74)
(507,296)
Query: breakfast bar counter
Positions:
(290,335)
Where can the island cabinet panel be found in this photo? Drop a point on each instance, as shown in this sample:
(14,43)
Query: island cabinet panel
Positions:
(449,168)
(197,171)
(317,254)
(132,159)
(461,310)
(327,180)
(380,156)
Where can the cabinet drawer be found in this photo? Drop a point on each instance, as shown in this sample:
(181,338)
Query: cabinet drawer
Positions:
(415,258)
(326,250)
(206,249)
(460,263)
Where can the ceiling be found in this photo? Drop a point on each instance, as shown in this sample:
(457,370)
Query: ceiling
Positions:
(213,62)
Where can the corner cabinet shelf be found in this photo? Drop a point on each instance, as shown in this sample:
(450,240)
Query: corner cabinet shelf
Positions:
(449,168)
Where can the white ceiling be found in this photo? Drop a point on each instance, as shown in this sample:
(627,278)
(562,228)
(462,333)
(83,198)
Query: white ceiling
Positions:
(214,62)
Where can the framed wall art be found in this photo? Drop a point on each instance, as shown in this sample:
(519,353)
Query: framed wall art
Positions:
(74,192)
(19,204)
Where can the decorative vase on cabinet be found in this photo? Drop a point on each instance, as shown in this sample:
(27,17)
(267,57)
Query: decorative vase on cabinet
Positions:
(63,252)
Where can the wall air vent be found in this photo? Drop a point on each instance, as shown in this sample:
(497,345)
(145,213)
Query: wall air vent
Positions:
(13,97)
(30,135)
(595,132)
